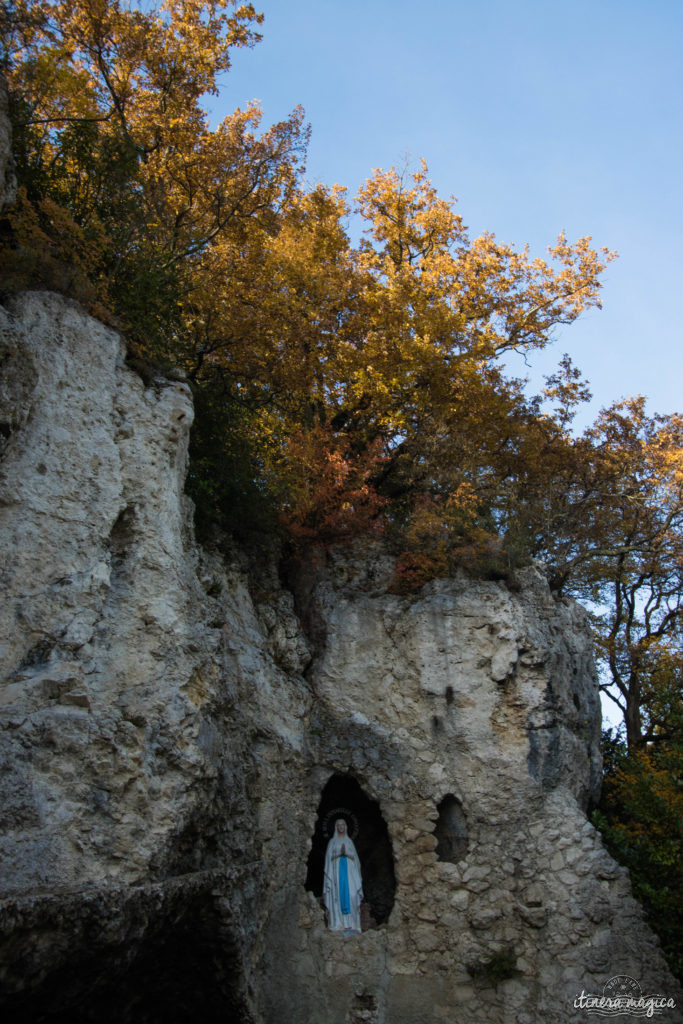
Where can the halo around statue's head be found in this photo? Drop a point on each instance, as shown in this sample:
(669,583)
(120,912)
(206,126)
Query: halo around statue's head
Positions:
(340,812)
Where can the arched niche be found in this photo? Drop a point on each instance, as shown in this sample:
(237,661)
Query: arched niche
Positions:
(451,830)
(343,797)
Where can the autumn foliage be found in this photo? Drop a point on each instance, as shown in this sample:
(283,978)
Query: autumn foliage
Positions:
(341,389)
(367,377)
(350,389)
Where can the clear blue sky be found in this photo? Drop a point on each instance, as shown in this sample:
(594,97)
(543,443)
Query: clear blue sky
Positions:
(539,116)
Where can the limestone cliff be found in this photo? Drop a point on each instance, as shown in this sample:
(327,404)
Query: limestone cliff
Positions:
(176,732)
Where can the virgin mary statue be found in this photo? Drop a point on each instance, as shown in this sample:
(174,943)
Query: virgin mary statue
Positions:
(342,887)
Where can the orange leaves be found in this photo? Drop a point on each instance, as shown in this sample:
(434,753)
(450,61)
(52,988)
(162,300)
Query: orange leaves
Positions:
(415,568)
(330,496)
(146,58)
(113,129)
(372,372)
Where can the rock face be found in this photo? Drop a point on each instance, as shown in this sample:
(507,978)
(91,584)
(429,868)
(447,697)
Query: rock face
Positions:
(177,732)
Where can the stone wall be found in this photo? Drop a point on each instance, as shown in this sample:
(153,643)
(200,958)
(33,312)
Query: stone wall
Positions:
(170,719)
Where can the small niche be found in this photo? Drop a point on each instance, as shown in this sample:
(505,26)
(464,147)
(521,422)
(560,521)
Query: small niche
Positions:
(451,830)
(343,797)
(122,537)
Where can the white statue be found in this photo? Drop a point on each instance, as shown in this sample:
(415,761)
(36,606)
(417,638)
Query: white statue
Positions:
(342,886)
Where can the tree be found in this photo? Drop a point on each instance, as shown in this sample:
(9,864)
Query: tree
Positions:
(640,637)
(345,390)
(206,248)
(109,129)
(641,819)
(416,363)
(604,511)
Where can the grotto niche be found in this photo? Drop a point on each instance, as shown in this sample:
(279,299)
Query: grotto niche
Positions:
(451,830)
(344,798)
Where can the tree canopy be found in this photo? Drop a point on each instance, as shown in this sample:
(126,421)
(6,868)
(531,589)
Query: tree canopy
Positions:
(341,388)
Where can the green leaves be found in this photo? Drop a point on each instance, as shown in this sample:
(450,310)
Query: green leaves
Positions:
(641,819)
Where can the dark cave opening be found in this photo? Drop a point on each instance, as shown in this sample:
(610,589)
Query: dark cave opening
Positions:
(343,797)
(175,967)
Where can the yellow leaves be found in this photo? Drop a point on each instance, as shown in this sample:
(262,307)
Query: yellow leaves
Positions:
(437,523)
(218,257)
(411,227)
(479,297)
(142,63)
(50,250)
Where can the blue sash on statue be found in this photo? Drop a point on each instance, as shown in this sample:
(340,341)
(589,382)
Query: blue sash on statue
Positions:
(344,898)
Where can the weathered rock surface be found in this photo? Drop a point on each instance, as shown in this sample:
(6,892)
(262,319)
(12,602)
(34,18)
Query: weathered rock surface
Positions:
(123,764)
(169,723)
